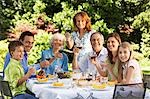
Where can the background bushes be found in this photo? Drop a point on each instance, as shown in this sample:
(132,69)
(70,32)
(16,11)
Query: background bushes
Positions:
(130,18)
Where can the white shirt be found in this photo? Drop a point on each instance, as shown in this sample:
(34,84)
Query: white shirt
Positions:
(86,63)
(137,75)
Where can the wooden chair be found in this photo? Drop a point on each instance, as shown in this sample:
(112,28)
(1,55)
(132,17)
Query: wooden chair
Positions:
(130,91)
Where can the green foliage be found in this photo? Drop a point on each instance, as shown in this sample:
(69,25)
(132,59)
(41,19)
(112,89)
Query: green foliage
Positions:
(3,51)
(39,6)
(106,16)
(143,22)
(41,43)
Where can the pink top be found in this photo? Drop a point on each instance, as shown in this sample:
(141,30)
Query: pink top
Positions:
(137,74)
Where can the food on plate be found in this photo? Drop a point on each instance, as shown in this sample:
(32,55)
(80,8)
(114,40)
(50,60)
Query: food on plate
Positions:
(81,83)
(41,74)
(50,76)
(42,80)
(63,75)
(99,86)
(112,83)
(58,84)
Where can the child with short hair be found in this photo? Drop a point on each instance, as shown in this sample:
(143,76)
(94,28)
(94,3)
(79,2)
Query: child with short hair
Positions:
(131,69)
(14,72)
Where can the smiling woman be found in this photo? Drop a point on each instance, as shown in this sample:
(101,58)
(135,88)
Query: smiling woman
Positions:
(56,58)
(112,63)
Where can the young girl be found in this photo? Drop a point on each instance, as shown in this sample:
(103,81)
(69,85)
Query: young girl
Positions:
(131,69)
(81,35)
(112,63)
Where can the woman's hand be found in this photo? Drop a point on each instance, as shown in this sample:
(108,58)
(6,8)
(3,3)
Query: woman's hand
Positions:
(76,51)
(45,63)
(68,36)
(107,67)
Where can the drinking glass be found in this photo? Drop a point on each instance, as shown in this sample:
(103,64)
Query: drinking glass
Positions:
(93,55)
(103,79)
(79,45)
(34,74)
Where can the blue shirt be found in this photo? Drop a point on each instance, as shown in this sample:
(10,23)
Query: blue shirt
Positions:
(61,62)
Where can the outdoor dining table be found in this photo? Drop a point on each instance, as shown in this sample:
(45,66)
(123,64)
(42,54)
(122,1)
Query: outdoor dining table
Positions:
(69,91)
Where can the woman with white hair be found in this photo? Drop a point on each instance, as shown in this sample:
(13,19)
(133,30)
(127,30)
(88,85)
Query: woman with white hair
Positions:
(54,56)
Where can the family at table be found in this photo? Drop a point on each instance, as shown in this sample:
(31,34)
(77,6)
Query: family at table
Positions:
(116,61)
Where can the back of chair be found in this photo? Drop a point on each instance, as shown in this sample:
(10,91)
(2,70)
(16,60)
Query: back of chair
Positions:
(6,88)
(1,96)
(130,91)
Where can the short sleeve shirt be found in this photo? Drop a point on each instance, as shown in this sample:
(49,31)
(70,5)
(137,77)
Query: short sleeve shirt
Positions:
(13,72)
(84,41)
(86,64)
(137,74)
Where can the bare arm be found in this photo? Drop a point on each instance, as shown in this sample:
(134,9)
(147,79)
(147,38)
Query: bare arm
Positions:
(75,61)
(110,72)
(69,40)
(130,71)
(120,72)
(101,71)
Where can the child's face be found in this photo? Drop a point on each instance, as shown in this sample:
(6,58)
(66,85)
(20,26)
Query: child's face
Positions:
(124,54)
(18,53)
(112,44)
(80,22)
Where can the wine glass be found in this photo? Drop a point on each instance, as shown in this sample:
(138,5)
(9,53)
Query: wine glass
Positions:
(33,74)
(79,45)
(93,55)
(103,79)
(76,76)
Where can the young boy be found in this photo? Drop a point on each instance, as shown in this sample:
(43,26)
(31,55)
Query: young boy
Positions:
(14,72)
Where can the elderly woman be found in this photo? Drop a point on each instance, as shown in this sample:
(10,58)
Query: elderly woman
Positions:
(57,60)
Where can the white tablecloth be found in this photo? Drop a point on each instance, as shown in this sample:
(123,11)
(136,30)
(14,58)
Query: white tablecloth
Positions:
(45,91)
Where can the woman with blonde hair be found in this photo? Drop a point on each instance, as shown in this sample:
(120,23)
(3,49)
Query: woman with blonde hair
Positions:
(131,68)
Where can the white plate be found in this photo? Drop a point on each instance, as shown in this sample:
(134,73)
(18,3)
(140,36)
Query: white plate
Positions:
(104,89)
(64,86)
(48,82)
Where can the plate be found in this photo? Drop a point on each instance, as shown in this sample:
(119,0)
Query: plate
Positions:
(63,86)
(51,76)
(47,82)
(101,89)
